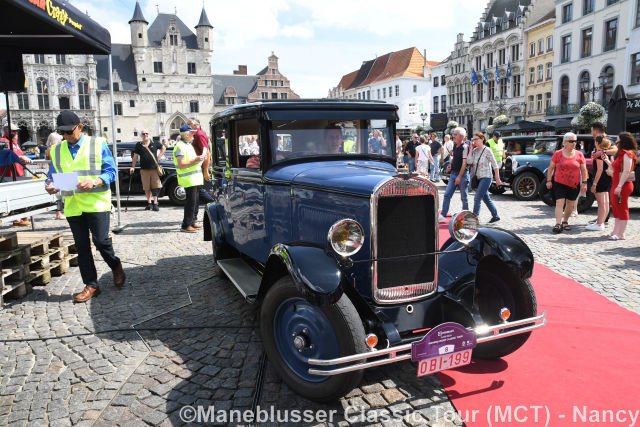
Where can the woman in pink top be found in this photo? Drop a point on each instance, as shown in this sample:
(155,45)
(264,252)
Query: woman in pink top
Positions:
(568,176)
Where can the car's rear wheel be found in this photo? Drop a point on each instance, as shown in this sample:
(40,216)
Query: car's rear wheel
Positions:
(293,329)
(176,193)
(495,291)
(526,186)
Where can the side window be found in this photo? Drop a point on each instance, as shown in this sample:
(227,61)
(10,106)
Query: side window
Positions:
(246,145)
(219,147)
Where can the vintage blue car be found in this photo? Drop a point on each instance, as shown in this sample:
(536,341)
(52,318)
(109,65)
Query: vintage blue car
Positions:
(313,222)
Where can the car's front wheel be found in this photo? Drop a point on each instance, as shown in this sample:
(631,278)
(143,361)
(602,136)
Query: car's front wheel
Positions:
(526,186)
(494,292)
(293,330)
(176,193)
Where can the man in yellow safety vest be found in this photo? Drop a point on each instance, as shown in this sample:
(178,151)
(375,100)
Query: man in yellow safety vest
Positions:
(88,206)
(189,171)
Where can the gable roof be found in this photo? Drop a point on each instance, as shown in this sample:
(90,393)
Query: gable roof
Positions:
(548,16)
(123,63)
(158,30)
(243,86)
(403,63)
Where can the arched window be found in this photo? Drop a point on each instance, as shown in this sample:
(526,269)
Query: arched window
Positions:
(83,94)
(585,86)
(607,83)
(564,91)
(42,89)
(176,124)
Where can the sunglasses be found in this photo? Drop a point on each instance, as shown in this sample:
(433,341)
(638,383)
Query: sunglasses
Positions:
(68,132)
(145,133)
(572,141)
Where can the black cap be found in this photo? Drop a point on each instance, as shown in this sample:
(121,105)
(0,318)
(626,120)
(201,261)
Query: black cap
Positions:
(67,120)
(497,133)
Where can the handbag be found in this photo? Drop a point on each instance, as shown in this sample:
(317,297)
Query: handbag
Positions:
(474,180)
(159,168)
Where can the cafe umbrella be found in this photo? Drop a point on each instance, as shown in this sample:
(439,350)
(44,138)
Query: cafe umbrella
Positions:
(49,27)
(617,114)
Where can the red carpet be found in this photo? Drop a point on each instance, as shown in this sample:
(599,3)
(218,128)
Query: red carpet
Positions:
(581,369)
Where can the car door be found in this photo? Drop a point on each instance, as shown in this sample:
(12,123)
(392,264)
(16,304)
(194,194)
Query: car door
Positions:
(242,188)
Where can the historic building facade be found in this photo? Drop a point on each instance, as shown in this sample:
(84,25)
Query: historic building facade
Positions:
(404,78)
(458,75)
(239,88)
(539,66)
(54,83)
(160,80)
(591,55)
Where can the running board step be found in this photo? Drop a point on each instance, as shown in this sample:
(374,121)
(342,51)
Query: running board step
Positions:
(243,277)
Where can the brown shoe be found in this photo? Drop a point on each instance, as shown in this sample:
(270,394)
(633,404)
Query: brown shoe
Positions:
(118,276)
(87,293)
(189,229)
(194,225)
(22,223)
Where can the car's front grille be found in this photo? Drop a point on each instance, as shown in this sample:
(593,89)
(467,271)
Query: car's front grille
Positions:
(405,240)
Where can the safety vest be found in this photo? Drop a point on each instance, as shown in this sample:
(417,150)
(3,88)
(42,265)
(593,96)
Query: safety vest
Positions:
(88,165)
(191,176)
(497,147)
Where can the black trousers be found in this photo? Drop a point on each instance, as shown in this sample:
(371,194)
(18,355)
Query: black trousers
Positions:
(96,223)
(191,206)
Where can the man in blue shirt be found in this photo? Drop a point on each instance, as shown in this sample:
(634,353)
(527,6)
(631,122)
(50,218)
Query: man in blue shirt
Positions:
(91,202)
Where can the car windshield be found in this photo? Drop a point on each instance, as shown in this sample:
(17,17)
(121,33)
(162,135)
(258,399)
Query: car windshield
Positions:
(309,138)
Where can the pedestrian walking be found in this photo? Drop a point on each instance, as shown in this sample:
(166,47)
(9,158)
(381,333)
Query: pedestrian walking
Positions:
(459,177)
(410,152)
(622,171)
(189,171)
(423,157)
(88,207)
(149,152)
(601,185)
(567,176)
(437,151)
(497,147)
(483,168)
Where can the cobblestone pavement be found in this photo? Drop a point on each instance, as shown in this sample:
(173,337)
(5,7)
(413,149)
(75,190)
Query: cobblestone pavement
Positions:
(196,341)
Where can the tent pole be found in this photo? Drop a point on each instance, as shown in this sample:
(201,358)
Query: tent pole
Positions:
(6,95)
(119,227)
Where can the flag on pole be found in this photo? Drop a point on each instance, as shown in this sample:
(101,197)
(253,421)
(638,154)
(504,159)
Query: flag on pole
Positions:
(485,78)
(509,70)
(474,77)
(497,73)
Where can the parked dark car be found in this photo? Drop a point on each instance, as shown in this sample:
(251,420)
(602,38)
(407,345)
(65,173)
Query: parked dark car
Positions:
(342,252)
(170,187)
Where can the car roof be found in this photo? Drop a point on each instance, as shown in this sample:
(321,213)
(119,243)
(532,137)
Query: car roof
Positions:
(310,105)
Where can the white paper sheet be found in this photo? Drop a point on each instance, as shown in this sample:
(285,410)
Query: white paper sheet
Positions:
(65,181)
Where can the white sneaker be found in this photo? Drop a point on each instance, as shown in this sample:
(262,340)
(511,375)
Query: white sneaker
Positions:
(595,227)
(441,218)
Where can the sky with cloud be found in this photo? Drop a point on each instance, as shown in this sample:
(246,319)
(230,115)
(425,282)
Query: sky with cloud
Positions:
(317,42)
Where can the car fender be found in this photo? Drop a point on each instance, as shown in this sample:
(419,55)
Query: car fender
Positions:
(457,265)
(528,168)
(315,272)
(213,228)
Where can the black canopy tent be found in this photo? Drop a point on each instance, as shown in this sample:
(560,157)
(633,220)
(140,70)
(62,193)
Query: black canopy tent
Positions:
(526,126)
(48,27)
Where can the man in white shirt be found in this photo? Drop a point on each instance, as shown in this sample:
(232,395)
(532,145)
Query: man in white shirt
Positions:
(423,157)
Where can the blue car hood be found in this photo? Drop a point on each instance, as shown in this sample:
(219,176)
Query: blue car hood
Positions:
(356,177)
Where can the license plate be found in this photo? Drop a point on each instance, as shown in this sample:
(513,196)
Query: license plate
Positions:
(445,361)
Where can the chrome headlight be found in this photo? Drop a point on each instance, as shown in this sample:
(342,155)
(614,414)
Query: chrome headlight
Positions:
(346,237)
(464,227)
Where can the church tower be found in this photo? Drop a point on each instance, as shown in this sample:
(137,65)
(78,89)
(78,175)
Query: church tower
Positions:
(138,28)
(204,32)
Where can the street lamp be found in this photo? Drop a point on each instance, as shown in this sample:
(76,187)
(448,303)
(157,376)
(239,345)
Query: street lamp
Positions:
(423,116)
(602,79)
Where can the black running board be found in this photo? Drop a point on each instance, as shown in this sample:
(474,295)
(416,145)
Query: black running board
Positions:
(244,278)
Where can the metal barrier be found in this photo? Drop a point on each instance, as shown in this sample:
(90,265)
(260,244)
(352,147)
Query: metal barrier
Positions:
(37,168)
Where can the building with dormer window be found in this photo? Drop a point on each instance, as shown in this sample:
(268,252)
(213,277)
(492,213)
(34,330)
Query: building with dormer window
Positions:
(159,80)
(497,54)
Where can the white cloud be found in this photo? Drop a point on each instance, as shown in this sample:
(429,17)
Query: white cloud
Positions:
(317,42)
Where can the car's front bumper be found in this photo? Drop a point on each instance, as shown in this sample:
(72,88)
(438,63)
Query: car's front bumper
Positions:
(398,353)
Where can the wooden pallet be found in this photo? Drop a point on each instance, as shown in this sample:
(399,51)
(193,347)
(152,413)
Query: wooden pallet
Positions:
(14,281)
(41,242)
(15,257)
(8,241)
